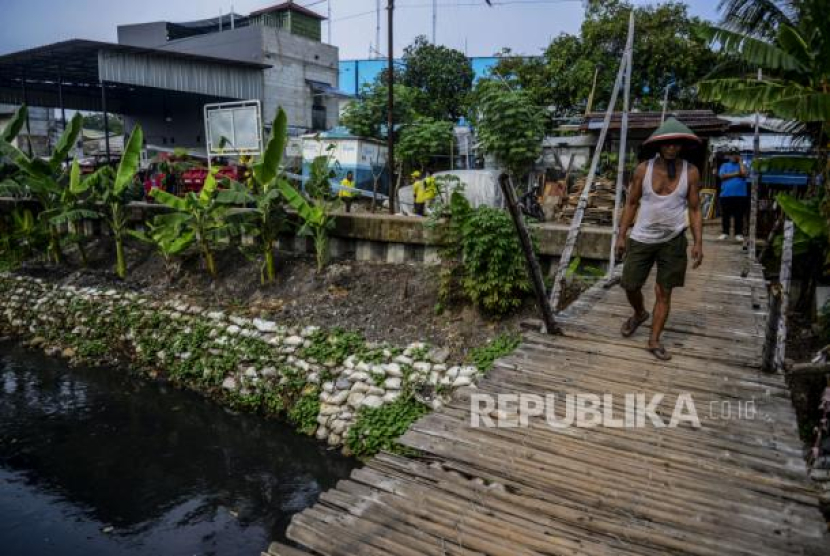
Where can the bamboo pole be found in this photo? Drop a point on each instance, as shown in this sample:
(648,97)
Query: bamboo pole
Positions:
(629,49)
(527,248)
(756,178)
(576,222)
(784,278)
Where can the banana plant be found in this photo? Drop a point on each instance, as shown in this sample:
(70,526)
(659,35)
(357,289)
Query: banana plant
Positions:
(203,214)
(167,235)
(114,190)
(43,180)
(315,210)
(267,219)
(72,208)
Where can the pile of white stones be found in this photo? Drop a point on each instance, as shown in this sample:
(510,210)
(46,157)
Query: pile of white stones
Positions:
(31,307)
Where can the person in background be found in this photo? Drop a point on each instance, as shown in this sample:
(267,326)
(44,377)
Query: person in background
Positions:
(346,192)
(733,195)
(423,191)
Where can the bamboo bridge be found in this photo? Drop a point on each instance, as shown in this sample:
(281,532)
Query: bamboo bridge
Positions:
(736,484)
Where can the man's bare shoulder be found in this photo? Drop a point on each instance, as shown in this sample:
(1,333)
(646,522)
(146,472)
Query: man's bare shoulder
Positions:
(694,173)
(641,169)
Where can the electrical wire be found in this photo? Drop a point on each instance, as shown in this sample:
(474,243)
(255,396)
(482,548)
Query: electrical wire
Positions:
(465,4)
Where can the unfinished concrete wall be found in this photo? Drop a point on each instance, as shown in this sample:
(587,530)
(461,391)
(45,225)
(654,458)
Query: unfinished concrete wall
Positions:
(296,59)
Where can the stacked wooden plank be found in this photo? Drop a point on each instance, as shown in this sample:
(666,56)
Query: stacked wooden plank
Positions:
(600,207)
(736,485)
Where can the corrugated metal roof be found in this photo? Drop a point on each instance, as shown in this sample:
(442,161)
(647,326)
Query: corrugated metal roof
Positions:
(698,120)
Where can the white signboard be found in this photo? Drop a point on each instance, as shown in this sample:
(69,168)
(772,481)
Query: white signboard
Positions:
(233,128)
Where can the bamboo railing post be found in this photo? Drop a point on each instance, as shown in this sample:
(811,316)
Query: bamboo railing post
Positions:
(784,277)
(576,222)
(527,248)
(629,50)
(756,178)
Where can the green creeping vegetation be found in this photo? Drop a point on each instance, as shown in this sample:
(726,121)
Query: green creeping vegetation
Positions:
(332,347)
(484,356)
(304,413)
(378,429)
(481,257)
(100,329)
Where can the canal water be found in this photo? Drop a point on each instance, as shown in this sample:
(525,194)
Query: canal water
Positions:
(95,462)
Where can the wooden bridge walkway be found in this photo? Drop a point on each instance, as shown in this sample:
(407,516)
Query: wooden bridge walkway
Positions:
(732,486)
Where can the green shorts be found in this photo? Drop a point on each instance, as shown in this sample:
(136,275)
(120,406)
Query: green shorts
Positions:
(670,257)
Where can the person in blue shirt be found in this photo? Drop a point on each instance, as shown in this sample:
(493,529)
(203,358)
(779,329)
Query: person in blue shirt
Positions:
(733,195)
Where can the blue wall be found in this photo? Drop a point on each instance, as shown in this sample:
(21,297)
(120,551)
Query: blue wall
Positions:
(356,73)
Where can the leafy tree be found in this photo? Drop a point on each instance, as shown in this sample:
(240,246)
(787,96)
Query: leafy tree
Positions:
(422,139)
(509,126)
(667,48)
(367,116)
(443,75)
(96,121)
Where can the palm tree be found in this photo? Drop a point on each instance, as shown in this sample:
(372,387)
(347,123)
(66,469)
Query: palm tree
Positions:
(790,41)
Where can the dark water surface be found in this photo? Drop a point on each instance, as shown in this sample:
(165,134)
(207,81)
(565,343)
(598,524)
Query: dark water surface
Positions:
(94,462)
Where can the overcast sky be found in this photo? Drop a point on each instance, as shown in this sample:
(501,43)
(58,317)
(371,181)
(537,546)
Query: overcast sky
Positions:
(525,26)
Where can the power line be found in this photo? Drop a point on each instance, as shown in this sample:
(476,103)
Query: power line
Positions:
(461,5)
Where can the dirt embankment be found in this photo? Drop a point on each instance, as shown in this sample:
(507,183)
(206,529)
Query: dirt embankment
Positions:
(385,302)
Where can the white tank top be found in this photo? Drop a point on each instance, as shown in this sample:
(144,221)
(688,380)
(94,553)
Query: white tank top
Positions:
(662,217)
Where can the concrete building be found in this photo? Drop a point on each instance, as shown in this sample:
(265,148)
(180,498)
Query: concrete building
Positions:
(162,73)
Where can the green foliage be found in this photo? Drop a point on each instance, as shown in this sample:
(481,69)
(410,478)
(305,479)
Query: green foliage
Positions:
(484,356)
(332,346)
(443,75)
(666,45)
(268,218)
(367,115)
(509,126)
(495,276)
(450,211)
(315,208)
(201,215)
(422,139)
(168,237)
(377,429)
(45,181)
(96,122)
(303,414)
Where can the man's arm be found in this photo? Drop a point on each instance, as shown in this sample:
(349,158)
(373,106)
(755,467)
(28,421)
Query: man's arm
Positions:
(632,203)
(695,216)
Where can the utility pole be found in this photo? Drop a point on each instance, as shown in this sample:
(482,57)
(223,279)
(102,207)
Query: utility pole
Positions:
(329,21)
(434,18)
(390,120)
(377,30)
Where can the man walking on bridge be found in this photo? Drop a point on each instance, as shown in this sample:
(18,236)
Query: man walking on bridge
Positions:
(668,203)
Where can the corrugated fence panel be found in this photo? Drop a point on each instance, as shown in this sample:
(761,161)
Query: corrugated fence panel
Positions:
(188,76)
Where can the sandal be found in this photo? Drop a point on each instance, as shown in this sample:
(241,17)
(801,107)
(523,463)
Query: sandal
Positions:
(660,353)
(632,324)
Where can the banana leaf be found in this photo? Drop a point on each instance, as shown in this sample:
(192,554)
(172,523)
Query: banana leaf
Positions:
(307,212)
(15,125)
(68,139)
(806,217)
(129,161)
(168,199)
(207,190)
(267,169)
